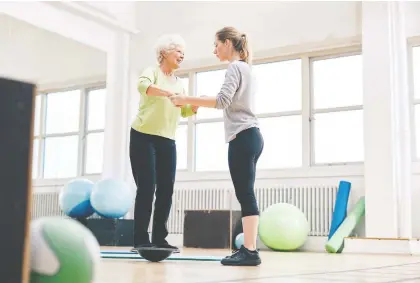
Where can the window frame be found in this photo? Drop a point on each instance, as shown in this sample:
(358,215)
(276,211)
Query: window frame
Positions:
(81,133)
(307,112)
(314,111)
(307,170)
(413,43)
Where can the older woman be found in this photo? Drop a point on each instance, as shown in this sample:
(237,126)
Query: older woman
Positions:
(152,142)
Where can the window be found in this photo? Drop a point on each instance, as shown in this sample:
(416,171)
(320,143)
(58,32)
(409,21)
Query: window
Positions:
(279,86)
(210,146)
(35,157)
(185,82)
(37,122)
(63,110)
(282,142)
(209,84)
(61,134)
(338,137)
(278,106)
(61,157)
(94,153)
(337,115)
(96,105)
(182,147)
(310,111)
(96,109)
(416,71)
(211,149)
(182,135)
(416,99)
(37,131)
(66,122)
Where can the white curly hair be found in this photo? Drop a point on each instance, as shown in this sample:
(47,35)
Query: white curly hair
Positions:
(166,43)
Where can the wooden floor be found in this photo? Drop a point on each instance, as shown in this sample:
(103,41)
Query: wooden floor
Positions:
(276,268)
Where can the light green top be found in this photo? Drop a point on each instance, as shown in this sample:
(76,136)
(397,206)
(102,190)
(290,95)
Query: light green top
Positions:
(157,115)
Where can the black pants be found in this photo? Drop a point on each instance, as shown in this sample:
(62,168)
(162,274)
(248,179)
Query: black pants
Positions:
(153,163)
(243,155)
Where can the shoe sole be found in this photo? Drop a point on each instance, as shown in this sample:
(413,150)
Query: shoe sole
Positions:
(246,263)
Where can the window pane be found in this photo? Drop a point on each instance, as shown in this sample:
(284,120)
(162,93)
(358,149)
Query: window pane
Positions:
(339,137)
(416,71)
(37,120)
(35,156)
(96,109)
(63,112)
(94,153)
(185,82)
(181,147)
(61,157)
(337,82)
(278,86)
(209,84)
(282,142)
(211,149)
(417,128)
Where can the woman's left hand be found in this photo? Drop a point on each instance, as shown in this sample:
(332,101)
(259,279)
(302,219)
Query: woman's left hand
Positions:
(178,100)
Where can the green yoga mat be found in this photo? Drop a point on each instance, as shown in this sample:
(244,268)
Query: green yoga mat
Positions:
(344,230)
(132,255)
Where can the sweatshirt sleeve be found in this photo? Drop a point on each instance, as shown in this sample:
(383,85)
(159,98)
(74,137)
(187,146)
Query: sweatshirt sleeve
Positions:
(146,79)
(229,87)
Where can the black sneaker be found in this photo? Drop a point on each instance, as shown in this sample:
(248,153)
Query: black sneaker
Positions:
(243,257)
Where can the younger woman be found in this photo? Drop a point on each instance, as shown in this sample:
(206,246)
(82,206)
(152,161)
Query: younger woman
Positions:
(241,132)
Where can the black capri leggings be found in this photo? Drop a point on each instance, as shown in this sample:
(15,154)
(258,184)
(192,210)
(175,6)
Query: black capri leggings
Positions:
(243,155)
(153,162)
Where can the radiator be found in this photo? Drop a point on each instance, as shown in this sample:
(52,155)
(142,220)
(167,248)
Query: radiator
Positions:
(316,202)
(196,199)
(45,204)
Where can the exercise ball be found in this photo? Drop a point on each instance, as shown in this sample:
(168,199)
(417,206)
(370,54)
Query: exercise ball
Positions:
(111,198)
(283,227)
(62,251)
(74,198)
(239,240)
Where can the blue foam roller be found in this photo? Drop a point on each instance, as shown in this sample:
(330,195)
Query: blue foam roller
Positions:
(340,207)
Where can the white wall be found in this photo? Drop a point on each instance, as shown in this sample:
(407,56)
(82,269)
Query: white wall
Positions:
(36,54)
(46,58)
(269,25)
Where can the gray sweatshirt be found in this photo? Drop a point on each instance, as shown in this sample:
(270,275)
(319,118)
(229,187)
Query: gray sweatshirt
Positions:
(236,98)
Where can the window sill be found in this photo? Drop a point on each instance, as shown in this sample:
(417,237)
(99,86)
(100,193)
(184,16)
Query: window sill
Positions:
(320,171)
(353,170)
(62,181)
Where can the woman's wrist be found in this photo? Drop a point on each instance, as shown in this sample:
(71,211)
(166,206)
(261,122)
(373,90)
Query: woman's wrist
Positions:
(169,94)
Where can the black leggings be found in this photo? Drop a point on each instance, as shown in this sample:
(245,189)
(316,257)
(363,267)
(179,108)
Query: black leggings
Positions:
(153,163)
(243,155)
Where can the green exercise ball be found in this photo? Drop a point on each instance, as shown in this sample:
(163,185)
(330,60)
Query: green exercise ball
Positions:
(62,251)
(283,227)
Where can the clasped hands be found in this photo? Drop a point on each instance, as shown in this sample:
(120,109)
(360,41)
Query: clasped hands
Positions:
(180,100)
